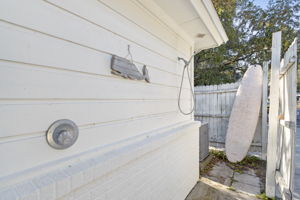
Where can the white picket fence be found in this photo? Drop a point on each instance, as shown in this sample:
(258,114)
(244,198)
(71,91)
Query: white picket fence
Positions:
(214,105)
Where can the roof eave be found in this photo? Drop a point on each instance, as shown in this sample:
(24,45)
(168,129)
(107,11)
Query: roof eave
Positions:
(210,18)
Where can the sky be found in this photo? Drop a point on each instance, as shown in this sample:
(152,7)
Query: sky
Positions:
(261,3)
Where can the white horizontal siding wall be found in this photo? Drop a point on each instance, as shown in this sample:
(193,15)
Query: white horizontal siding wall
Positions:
(55,64)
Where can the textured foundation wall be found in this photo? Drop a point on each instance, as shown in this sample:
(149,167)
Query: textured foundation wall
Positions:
(168,172)
(163,166)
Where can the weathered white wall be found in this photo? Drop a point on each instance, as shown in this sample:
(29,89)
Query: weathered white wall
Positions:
(55,64)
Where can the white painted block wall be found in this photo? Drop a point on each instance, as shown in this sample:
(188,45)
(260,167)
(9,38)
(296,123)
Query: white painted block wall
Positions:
(55,64)
(154,168)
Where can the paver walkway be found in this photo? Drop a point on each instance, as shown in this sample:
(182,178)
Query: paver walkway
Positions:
(207,189)
(222,183)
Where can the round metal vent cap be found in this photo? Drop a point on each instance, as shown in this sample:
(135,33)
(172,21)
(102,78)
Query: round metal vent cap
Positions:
(62,134)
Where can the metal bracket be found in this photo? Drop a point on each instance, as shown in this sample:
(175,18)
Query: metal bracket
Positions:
(288,124)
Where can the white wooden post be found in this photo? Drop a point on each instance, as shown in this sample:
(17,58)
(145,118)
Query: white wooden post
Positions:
(273,115)
(294,118)
(264,124)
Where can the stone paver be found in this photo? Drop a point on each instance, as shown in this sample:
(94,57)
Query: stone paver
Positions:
(222,183)
(247,179)
(225,181)
(250,172)
(221,170)
(207,189)
(221,173)
(246,188)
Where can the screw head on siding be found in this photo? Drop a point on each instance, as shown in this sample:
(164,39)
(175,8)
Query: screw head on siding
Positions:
(62,134)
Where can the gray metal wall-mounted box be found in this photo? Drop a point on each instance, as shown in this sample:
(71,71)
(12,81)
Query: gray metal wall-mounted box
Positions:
(203,141)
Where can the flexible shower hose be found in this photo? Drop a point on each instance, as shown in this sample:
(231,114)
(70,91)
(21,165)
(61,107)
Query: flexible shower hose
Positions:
(186,66)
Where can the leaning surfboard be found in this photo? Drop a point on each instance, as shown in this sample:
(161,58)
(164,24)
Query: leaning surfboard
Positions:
(244,115)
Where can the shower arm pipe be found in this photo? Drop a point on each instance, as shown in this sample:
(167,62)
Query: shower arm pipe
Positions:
(187,63)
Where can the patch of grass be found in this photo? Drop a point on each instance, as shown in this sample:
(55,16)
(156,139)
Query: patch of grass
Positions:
(207,168)
(231,188)
(251,161)
(211,164)
(263,196)
(218,154)
(247,162)
(238,171)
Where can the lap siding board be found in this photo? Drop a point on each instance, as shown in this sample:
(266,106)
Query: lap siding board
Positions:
(56,65)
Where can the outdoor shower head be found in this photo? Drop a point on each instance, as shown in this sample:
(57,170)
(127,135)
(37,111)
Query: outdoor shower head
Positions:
(186,63)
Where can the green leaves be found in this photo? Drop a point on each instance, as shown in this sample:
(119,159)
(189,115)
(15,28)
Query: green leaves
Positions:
(249,29)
